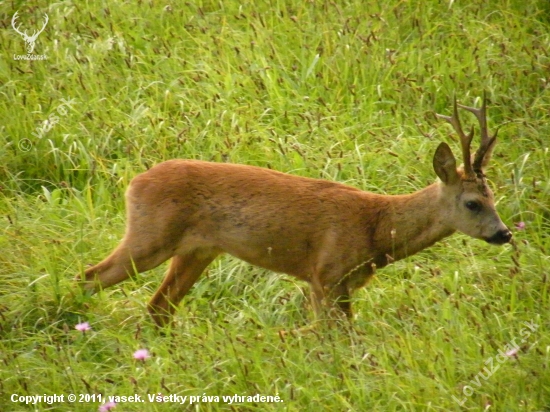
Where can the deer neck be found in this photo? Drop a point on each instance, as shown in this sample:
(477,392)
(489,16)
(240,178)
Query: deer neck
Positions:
(415,222)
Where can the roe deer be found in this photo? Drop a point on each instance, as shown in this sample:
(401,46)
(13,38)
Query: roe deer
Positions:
(328,234)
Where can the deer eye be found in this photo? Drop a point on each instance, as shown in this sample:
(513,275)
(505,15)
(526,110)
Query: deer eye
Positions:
(473,206)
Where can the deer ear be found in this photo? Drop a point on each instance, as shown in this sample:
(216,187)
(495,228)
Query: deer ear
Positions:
(445,164)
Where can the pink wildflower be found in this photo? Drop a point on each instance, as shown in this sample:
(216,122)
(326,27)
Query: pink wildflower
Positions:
(512,352)
(141,354)
(520,225)
(106,407)
(83,327)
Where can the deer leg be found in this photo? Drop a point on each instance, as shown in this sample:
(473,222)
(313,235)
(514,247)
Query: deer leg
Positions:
(339,297)
(317,297)
(184,271)
(328,304)
(122,262)
(330,297)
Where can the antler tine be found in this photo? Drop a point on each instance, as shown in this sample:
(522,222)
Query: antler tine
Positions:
(486,140)
(46,19)
(465,140)
(13,23)
(37,32)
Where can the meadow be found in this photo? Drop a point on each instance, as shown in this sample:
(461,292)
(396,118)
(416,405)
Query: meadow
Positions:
(340,90)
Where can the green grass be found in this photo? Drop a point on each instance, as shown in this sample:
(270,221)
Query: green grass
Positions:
(345,91)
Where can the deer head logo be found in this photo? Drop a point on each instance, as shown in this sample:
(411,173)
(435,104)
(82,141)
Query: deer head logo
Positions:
(29,40)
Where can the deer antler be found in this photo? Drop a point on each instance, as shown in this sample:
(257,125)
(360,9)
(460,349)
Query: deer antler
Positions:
(465,140)
(36,33)
(13,22)
(29,40)
(483,154)
(24,34)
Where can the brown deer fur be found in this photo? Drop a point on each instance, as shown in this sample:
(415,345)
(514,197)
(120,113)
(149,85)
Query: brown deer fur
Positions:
(328,234)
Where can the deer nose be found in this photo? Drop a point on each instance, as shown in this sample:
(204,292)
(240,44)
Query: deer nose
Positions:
(501,237)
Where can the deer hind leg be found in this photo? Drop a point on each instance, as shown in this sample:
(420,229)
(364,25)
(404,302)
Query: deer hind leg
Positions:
(128,258)
(184,271)
(119,265)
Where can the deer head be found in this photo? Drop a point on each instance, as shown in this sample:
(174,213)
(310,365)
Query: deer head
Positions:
(473,210)
(30,41)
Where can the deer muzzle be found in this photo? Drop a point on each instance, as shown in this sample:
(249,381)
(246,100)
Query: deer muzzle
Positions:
(501,237)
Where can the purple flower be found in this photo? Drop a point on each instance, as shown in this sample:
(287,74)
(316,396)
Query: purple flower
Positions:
(512,352)
(141,354)
(83,327)
(520,225)
(106,407)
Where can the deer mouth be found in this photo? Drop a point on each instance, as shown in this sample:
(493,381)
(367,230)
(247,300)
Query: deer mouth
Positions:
(499,238)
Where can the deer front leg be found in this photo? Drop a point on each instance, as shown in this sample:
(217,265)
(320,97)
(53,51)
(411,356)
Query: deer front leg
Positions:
(330,301)
(340,298)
